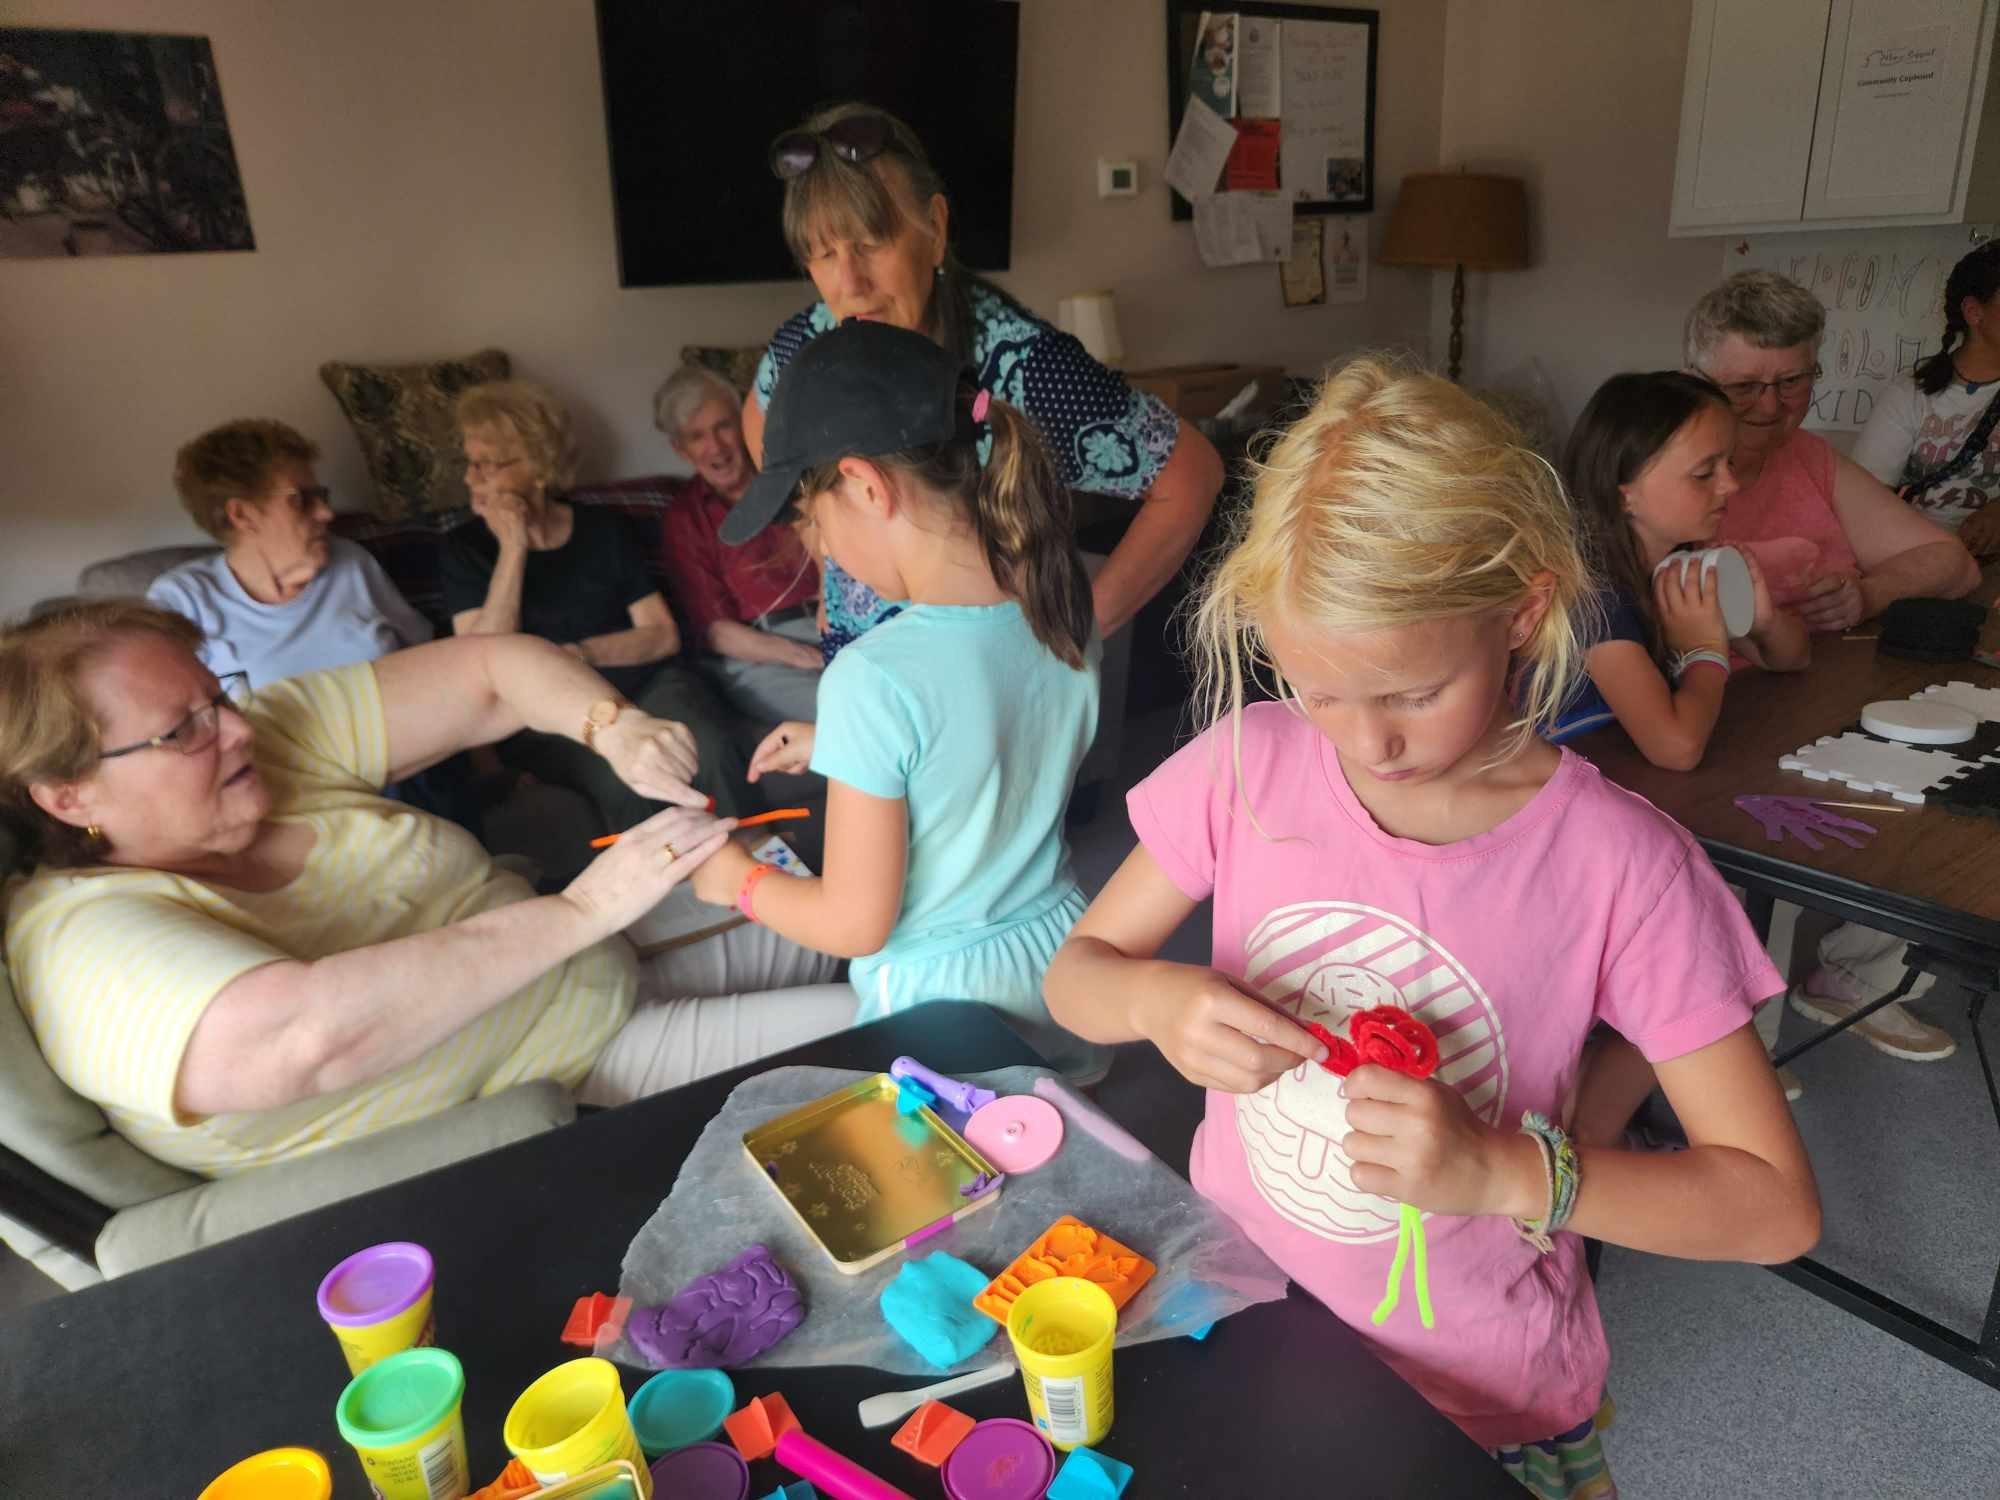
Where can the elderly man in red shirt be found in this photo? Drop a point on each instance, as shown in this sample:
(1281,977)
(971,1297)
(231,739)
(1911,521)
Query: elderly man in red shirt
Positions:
(753,607)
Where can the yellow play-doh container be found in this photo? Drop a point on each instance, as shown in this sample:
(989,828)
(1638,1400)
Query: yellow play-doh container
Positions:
(1062,1330)
(401,1416)
(378,1302)
(274,1474)
(573,1419)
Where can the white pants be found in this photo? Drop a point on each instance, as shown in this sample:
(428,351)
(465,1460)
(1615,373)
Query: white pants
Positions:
(769,692)
(1873,960)
(730,999)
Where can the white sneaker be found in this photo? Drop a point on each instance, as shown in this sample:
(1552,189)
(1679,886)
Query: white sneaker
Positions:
(1892,1029)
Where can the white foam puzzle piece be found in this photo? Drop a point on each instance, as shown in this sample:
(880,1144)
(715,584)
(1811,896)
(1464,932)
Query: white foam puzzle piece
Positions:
(1866,765)
(1981,702)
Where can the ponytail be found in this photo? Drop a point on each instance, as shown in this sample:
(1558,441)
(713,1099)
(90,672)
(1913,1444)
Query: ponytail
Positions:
(1022,511)
(1977,275)
(1018,507)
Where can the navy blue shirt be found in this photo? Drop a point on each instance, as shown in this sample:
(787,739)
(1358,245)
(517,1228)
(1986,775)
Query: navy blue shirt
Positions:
(1619,620)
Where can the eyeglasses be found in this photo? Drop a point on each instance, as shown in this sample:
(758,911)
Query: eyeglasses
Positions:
(309,497)
(486,468)
(856,139)
(198,730)
(1788,387)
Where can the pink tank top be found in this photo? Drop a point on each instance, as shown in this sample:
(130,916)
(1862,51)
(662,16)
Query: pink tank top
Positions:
(1786,520)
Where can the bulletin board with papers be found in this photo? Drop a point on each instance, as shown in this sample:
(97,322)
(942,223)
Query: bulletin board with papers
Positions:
(1271,100)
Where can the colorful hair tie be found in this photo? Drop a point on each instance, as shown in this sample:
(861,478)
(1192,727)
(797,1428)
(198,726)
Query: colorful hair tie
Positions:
(980,405)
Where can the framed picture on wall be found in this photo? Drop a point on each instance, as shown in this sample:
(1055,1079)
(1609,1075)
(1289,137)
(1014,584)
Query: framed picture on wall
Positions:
(114,143)
(1297,82)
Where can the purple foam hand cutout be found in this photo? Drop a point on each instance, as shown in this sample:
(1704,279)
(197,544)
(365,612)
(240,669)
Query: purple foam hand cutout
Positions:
(723,1319)
(1802,817)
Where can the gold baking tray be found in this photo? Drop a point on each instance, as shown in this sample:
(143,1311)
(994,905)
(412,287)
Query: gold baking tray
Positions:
(862,1178)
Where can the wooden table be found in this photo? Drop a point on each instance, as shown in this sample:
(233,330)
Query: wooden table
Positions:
(1928,876)
(152,1384)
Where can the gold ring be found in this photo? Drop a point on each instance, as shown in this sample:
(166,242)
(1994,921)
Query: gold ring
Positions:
(672,853)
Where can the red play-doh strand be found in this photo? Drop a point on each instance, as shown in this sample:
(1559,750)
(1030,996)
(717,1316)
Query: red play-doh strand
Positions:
(1341,1058)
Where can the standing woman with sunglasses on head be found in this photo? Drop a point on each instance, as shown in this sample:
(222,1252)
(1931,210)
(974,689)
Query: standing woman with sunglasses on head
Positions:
(867,218)
(1832,542)
(1934,436)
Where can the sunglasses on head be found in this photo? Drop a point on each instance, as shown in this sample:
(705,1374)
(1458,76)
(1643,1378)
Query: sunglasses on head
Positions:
(856,139)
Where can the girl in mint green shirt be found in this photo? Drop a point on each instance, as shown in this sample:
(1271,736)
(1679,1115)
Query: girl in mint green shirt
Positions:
(951,734)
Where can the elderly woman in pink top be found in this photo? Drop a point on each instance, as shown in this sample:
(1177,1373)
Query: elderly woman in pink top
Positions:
(1834,542)
(1836,545)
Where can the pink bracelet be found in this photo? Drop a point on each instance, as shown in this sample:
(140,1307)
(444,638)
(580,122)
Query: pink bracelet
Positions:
(757,873)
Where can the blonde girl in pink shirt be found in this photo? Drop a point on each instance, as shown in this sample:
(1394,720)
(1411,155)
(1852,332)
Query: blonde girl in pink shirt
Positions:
(1393,830)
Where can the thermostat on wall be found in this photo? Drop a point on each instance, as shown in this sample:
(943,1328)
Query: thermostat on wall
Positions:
(1117,179)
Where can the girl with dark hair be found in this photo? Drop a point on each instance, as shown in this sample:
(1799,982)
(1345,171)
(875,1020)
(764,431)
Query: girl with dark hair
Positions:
(1934,434)
(951,734)
(1648,470)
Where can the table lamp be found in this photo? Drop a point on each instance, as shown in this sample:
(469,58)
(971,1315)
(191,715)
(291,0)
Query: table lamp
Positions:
(1458,219)
(1093,318)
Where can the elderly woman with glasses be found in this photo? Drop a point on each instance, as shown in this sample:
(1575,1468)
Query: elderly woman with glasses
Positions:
(866,216)
(1833,542)
(284,595)
(574,575)
(243,953)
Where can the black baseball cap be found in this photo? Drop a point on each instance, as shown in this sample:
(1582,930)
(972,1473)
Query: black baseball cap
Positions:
(859,390)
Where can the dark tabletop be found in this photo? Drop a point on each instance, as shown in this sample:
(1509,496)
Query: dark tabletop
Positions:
(152,1384)
(1926,872)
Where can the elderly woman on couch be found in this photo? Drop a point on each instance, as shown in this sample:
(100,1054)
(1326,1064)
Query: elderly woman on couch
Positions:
(576,576)
(284,595)
(243,953)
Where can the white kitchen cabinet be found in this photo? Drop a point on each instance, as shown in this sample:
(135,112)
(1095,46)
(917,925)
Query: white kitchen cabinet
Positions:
(1823,114)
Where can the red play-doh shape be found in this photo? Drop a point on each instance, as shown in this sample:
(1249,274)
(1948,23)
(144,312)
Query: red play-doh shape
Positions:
(1393,1038)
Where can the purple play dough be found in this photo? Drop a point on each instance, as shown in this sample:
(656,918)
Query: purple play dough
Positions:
(725,1318)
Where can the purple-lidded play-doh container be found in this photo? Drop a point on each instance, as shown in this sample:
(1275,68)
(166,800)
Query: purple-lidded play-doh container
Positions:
(378,1302)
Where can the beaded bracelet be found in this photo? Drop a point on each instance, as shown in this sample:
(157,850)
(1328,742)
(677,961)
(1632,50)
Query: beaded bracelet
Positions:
(1564,1178)
(1699,656)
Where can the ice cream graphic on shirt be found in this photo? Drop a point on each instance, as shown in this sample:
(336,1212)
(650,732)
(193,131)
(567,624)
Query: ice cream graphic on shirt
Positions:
(1323,961)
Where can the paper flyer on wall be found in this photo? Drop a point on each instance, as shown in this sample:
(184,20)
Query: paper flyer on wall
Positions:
(1212,74)
(1243,229)
(1347,262)
(1253,160)
(1301,276)
(1323,155)
(1259,88)
(1200,151)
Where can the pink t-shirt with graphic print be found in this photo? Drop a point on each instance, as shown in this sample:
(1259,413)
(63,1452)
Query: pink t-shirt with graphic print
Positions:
(1587,904)
(1788,521)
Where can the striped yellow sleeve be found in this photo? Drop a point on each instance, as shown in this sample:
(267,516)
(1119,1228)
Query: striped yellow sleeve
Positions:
(112,984)
(325,727)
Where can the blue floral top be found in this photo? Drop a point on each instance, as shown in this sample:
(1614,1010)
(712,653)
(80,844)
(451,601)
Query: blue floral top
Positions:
(1105,437)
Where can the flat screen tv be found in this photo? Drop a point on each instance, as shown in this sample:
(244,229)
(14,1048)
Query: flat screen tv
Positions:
(696,90)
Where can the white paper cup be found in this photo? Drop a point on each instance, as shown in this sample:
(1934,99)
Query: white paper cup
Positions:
(1730,576)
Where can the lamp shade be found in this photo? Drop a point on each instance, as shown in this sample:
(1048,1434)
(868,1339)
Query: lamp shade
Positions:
(1093,318)
(1458,219)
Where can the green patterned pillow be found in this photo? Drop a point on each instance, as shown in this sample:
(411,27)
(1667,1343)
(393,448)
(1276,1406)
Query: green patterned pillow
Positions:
(402,415)
(737,366)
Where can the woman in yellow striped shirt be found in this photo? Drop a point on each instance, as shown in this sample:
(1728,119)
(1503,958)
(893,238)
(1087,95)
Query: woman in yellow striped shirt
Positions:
(243,952)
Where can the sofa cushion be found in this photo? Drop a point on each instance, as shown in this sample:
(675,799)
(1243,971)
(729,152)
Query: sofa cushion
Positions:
(402,416)
(60,1131)
(131,575)
(735,364)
